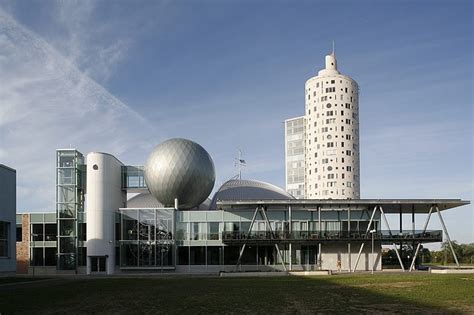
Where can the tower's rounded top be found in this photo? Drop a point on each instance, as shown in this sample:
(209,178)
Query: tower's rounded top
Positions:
(331,62)
(331,65)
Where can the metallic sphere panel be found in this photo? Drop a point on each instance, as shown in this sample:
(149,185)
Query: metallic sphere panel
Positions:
(180,168)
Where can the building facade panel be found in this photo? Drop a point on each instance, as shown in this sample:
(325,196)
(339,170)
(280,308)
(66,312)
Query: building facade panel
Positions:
(7,219)
(295,156)
(332,135)
(104,197)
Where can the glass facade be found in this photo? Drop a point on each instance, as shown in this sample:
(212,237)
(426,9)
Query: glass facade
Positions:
(133,178)
(70,183)
(146,238)
(295,157)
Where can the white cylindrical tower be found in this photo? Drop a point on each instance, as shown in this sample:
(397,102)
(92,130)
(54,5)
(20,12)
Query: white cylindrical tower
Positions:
(104,197)
(332,135)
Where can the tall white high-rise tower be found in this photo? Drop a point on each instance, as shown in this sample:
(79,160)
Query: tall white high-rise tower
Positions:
(331,136)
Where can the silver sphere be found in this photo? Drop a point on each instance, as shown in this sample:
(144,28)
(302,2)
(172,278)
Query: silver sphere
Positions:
(180,168)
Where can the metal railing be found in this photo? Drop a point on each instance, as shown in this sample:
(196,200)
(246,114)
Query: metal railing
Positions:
(383,235)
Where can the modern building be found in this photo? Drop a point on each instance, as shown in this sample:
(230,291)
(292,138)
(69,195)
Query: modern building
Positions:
(247,225)
(295,157)
(7,219)
(331,137)
(160,217)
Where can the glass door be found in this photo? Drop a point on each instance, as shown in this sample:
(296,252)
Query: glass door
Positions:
(98,264)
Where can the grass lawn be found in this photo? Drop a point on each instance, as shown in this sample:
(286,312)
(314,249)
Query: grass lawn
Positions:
(5,280)
(402,293)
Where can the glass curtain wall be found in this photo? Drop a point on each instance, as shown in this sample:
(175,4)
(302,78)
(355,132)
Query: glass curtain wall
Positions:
(70,179)
(147,239)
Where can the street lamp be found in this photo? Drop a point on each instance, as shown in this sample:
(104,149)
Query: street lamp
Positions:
(373,260)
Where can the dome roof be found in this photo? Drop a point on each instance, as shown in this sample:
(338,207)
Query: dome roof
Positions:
(144,200)
(182,169)
(147,200)
(244,189)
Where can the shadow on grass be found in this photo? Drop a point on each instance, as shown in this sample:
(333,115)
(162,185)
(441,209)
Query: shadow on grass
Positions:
(336,294)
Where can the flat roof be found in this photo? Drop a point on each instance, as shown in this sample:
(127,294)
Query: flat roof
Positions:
(7,167)
(388,205)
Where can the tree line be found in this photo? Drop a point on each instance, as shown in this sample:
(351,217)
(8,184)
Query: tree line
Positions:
(464,253)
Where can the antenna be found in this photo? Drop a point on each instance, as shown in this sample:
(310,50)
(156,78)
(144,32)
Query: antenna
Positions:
(239,162)
(333,52)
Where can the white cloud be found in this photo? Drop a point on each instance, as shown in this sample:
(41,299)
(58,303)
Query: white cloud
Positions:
(47,103)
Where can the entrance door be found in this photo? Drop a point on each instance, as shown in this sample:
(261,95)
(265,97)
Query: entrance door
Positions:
(98,264)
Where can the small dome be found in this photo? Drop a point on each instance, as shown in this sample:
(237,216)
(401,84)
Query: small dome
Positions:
(244,189)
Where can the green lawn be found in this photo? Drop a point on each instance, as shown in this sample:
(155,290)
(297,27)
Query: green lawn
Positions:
(405,293)
(4,280)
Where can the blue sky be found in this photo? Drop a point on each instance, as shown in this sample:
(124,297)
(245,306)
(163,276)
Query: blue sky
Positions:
(122,76)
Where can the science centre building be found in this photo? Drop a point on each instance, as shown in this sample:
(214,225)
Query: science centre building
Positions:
(115,218)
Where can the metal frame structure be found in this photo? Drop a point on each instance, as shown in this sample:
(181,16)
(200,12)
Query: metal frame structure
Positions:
(412,266)
(393,206)
(262,210)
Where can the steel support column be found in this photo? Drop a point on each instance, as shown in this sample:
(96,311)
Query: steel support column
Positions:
(447,235)
(412,265)
(264,214)
(349,235)
(390,232)
(290,229)
(366,232)
(320,264)
(247,236)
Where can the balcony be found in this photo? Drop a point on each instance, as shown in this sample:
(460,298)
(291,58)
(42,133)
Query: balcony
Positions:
(384,236)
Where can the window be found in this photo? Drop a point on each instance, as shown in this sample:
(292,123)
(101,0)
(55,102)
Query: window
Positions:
(333,81)
(197,255)
(50,232)
(329,168)
(4,238)
(348,106)
(349,168)
(330,144)
(38,234)
(348,121)
(329,113)
(328,105)
(346,90)
(348,152)
(342,144)
(342,113)
(19,233)
(330,176)
(213,255)
(349,184)
(348,137)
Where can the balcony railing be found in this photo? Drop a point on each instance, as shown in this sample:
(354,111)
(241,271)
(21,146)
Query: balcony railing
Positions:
(382,235)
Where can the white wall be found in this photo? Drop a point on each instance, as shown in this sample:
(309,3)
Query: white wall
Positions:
(104,196)
(332,129)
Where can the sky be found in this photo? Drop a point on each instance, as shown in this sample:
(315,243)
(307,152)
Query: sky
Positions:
(122,76)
